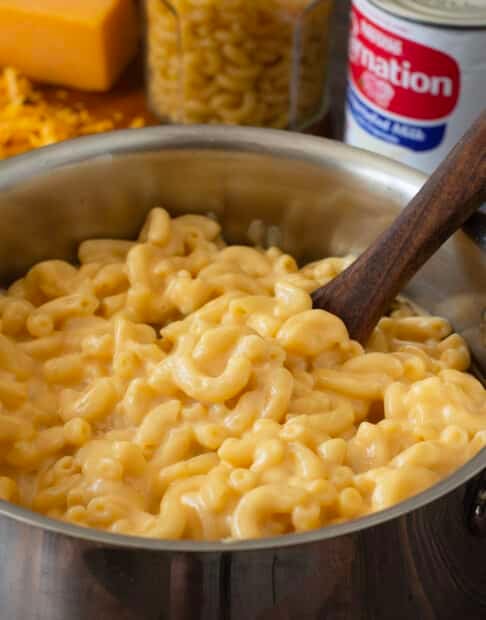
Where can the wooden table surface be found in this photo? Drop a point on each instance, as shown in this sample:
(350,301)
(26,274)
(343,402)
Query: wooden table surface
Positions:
(128,96)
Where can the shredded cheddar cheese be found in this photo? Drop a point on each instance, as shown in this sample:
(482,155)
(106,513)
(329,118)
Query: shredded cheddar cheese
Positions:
(28,120)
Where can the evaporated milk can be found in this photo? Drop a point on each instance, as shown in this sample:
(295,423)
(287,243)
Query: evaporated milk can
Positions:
(417,76)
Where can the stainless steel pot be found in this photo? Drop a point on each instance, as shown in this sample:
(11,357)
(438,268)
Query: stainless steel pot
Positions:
(424,558)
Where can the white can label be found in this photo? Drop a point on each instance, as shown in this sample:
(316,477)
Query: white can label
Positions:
(413,89)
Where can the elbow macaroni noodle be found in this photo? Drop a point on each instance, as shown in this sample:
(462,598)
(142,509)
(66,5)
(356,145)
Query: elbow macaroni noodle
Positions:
(239,62)
(175,387)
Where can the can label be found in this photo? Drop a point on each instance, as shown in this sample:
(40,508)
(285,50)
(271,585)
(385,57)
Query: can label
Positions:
(406,85)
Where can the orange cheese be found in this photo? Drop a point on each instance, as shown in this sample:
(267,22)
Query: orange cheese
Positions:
(84,44)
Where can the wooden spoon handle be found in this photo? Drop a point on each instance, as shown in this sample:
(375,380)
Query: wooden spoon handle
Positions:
(361,294)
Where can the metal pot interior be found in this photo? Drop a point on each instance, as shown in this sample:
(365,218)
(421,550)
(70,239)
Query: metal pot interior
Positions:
(312,197)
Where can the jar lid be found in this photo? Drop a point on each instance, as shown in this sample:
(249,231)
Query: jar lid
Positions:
(458,13)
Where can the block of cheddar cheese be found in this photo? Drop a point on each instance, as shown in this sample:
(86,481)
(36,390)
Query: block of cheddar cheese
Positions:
(84,44)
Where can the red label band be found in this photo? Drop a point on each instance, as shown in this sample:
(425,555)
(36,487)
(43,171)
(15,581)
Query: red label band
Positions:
(399,75)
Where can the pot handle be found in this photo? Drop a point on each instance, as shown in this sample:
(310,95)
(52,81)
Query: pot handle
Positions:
(475,499)
(475,228)
(475,505)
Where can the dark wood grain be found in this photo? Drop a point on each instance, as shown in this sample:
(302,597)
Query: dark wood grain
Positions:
(361,294)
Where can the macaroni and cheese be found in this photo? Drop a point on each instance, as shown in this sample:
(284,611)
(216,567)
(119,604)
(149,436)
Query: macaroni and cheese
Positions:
(176,387)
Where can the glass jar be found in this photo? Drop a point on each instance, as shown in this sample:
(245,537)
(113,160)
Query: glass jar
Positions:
(240,62)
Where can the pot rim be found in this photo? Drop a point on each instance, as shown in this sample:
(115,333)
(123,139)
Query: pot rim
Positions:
(274,142)
(261,141)
(449,484)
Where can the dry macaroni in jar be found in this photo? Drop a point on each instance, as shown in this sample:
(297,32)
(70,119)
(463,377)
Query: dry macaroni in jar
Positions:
(239,62)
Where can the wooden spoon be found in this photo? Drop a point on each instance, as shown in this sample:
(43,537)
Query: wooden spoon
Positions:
(361,294)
